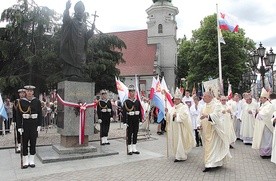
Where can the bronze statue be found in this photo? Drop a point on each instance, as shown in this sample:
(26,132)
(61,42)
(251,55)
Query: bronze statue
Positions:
(74,39)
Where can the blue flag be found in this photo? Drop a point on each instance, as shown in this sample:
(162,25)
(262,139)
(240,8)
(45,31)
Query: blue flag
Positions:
(3,112)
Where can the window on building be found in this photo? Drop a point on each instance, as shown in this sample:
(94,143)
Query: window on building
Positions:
(160,28)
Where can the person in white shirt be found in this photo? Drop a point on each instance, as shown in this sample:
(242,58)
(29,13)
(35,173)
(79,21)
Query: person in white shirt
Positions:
(195,111)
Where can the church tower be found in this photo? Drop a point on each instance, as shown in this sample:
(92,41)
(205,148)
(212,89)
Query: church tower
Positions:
(162,31)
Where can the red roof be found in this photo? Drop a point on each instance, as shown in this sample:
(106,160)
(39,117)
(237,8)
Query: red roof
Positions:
(139,56)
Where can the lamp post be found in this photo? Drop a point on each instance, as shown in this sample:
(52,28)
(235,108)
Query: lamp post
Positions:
(271,59)
(267,61)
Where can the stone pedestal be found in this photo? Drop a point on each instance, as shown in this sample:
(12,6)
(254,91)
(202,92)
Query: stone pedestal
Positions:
(68,117)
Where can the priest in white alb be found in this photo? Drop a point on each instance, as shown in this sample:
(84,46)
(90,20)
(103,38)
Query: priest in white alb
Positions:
(248,114)
(273,120)
(263,130)
(179,129)
(227,120)
(215,141)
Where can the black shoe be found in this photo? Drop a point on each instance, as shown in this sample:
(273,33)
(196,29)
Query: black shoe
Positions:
(159,133)
(32,165)
(103,143)
(107,143)
(231,147)
(197,145)
(25,166)
(176,160)
(207,169)
(248,143)
(266,157)
(129,153)
(17,151)
(136,152)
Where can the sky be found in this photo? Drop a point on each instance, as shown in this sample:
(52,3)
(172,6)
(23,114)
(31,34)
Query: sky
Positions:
(256,17)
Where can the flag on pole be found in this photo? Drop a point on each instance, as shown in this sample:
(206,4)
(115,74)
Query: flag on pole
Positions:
(3,112)
(221,39)
(158,100)
(122,90)
(194,90)
(168,97)
(138,97)
(152,89)
(230,93)
(228,22)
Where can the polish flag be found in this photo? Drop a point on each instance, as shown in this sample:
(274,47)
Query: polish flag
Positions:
(122,90)
(138,97)
(168,96)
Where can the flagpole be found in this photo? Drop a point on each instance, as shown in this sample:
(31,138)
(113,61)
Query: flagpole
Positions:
(219,53)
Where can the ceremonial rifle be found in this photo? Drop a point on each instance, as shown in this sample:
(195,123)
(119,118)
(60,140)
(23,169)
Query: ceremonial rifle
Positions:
(15,136)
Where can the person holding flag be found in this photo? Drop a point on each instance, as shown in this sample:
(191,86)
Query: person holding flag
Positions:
(132,116)
(179,129)
(3,113)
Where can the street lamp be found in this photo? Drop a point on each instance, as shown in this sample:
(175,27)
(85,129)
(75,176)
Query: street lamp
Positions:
(265,61)
(271,59)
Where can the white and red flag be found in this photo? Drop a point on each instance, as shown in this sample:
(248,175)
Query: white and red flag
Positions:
(138,97)
(230,93)
(122,90)
(168,97)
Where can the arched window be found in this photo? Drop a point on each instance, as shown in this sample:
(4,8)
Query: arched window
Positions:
(160,28)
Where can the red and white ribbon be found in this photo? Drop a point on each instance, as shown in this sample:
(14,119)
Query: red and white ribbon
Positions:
(82,107)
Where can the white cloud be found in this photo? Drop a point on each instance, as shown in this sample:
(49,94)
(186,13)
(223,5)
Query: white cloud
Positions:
(254,16)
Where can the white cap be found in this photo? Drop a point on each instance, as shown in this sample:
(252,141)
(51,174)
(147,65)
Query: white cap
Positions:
(177,94)
(29,87)
(264,93)
(21,90)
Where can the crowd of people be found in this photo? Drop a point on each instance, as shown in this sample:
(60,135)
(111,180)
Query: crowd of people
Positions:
(212,122)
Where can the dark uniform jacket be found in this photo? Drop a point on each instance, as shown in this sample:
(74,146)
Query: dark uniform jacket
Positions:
(131,111)
(29,110)
(104,109)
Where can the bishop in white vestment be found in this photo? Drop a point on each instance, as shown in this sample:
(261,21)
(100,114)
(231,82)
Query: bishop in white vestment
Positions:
(179,129)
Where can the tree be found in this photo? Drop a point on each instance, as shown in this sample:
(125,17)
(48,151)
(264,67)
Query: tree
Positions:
(28,53)
(104,53)
(30,46)
(201,54)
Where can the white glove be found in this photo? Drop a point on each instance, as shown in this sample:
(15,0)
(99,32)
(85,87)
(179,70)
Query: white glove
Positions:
(100,121)
(125,124)
(38,129)
(140,123)
(111,119)
(20,130)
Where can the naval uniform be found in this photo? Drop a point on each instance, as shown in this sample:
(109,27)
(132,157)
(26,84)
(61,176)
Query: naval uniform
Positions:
(29,117)
(14,111)
(104,112)
(132,116)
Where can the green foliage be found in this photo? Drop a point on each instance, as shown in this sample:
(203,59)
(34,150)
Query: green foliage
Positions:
(30,46)
(198,57)
(104,53)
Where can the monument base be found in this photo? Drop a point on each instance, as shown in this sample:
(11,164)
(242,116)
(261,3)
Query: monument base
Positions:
(65,150)
(72,141)
(58,153)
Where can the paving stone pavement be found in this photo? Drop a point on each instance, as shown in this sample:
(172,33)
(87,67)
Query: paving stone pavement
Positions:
(151,164)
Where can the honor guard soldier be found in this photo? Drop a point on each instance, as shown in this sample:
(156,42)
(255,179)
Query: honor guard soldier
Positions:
(131,118)
(29,119)
(22,94)
(105,114)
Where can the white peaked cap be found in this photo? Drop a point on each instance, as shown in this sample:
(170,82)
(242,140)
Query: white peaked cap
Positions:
(177,94)
(264,93)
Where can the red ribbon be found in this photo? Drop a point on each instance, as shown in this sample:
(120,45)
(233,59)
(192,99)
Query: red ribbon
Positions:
(83,107)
